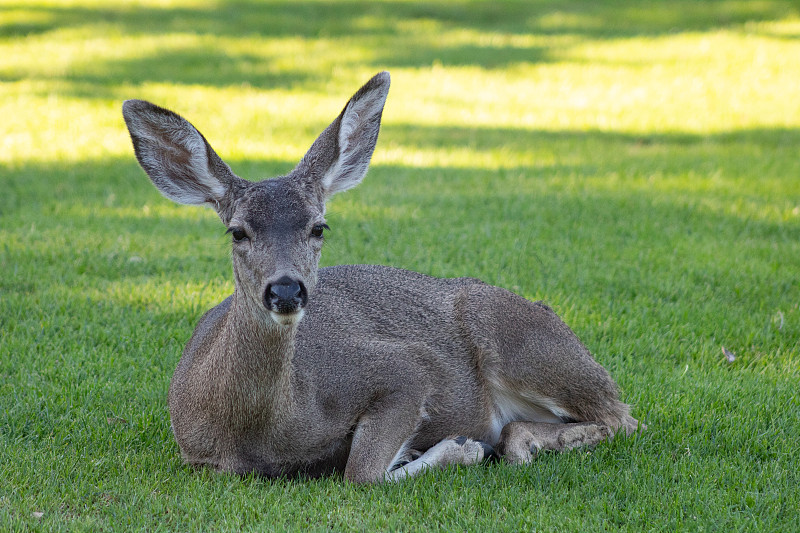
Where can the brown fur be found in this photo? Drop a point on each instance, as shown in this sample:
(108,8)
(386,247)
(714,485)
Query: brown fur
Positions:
(379,361)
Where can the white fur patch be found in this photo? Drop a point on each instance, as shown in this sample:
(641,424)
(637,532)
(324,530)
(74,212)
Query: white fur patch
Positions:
(287,319)
(511,406)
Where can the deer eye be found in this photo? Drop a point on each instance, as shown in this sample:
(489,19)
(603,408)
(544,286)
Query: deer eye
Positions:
(318,229)
(238,234)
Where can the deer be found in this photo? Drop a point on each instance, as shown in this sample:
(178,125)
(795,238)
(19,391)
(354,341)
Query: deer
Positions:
(369,372)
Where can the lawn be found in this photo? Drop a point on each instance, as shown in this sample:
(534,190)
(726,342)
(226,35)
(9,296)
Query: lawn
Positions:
(635,164)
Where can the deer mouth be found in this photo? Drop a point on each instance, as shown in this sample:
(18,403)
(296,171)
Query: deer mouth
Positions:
(287,319)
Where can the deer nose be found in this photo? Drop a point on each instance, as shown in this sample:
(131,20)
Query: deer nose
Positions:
(285,295)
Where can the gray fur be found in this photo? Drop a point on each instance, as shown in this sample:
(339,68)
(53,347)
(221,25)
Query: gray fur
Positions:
(380,362)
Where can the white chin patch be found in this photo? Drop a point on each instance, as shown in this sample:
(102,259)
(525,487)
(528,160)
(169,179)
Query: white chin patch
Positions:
(287,319)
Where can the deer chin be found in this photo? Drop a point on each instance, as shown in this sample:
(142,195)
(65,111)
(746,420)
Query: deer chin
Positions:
(287,319)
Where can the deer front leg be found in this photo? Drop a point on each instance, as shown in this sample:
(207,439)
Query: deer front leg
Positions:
(521,441)
(381,437)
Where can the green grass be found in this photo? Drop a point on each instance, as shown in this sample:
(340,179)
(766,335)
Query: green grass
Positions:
(635,164)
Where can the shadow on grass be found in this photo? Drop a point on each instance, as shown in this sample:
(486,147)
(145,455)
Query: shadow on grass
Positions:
(591,154)
(589,157)
(312,19)
(97,296)
(87,274)
(395,33)
(632,238)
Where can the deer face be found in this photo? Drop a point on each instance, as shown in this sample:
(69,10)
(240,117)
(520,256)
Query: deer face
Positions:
(277,236)
(276,225)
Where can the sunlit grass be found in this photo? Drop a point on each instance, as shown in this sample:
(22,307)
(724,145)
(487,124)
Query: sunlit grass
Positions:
(635,164)
(70,77)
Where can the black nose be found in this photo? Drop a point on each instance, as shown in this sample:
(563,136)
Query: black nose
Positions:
(285,295)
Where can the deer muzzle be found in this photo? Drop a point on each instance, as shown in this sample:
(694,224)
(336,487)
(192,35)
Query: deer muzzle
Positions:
(285,296)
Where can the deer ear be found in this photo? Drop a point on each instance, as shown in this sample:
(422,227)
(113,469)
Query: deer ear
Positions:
(178,159)
(339,158)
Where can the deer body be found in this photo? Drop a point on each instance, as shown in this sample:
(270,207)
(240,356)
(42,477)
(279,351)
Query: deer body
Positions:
(356,368)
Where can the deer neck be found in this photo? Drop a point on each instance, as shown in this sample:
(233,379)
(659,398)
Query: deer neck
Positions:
(258,356)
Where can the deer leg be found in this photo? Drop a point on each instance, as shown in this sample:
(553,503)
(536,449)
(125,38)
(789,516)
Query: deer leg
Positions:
(406,456)
(460,450)
(521,441)
(382,437)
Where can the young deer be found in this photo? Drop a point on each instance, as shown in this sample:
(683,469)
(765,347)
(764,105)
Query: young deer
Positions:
(374,371)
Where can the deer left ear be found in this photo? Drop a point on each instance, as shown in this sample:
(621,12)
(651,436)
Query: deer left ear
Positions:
(339,158)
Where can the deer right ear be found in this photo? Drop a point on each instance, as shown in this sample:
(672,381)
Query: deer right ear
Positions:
(178,159)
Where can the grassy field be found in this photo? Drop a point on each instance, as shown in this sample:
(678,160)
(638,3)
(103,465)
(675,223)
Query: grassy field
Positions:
(635,164)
